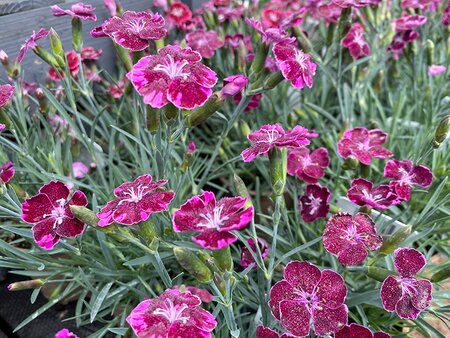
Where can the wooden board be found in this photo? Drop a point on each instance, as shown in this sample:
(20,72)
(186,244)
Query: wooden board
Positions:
(14,6)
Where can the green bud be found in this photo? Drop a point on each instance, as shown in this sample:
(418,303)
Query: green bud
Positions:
(378,274)
(26,285)
(77,35)
(429,48)
(223,259)
(260,59)
(148,231)
(441,275)
(201,114)
(208,260)
(278,169)
(350,163)
(392,242)
(442,131)
(153,119)
(85,215)
(220,283)
(241,190)
(55,43)
(273,81)
(170,111)
(192,264)
(46,56)
(245,128)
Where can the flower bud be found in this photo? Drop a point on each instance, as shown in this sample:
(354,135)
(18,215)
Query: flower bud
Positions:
(77,35)
(379,274)
(303,40)
(220,283)
(233,85)
(245,128)
(242,191)
(259,59)
(4,59)
(201,114)
(429,48)
(350,163)
(148,231)
(278,169)
(153,119)
(42,99)
(55,43)
(26,285)
(274,80)
(442,131)
(223,259)
(170,112)
(441,275)
(192,264)
(390,243)
(46,56)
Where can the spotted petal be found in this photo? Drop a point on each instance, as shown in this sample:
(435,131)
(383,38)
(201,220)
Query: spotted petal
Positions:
(302,275)
(327,321)
(295,317)
(390,293)
(408,262)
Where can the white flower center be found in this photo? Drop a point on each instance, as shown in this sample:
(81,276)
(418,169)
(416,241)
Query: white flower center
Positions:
(173,68)
(171,312)
(137,26)
(135,194)
(58,213)
(369,196)
(178,12)
(301,58)
(314,203)
(214,220)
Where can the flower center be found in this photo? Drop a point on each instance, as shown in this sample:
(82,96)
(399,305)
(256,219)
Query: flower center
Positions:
(134,194)
(173,68)
(58,213)
(272,135)
(371,197)
(352,234)
(407,285)
(177,12)
(214,220)
(171,312)
(314,203)
(301,58)
(137,25)
(309,299)
(359,38)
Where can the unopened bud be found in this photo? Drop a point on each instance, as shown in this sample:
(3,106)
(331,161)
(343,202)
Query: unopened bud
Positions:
(148,231)
(429,47)
(274,80)
(77,35)
(201,114)
(46,56)
(223,259)
(85,215)
(442,131)
(350,163)
(242,191)
(26,285)
(302,39)
(259,60)
(4,59)
(153,119)
(233,85)
(392,242)
(441,275)
(220,283)
(278,169)
(55,43)
(192,264)
(245,128)
(188,156)
(378,274)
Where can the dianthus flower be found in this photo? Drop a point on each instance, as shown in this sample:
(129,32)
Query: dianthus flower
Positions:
(135,202)
(435,70)
(271,17)
(315,203)
(230,13)
(381,197)
(111,6)
(358,331)
(355,3)
(408,22)
(90,53)
(6,172)
(330,12)
(79,169)
(307,166)
(355,42)
(65,333)
(247,257)
(265,332)
(213,219)
(72,63)
(270,35)
(31,43)
(234,84)
(405,294)
(405,175)
(203,42)
(172,314)
(446,16)
(6,93)
(133,30)
(174,75)
(363,144)
(50,213)
(79,10)
(350,238)
(415,3)
(295,65)
(307,295)
(274,136)
(179,13)
(203,294)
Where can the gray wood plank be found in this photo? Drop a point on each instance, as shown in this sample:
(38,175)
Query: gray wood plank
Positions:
(14,6)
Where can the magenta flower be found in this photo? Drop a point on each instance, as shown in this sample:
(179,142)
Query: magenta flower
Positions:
(2,127)
(405,175)
(408,22)
(315,203)
(203,294)
(265,332)
(6,93)
(65,333)
(355,42)
(213,219)
(400,40)
(307,295)
(179,13)
(405,294)
(446,16)
(271,136)
(363,144)
(111,6)
(90,53)
(6,172)
(355,3)
(135,202)
(133,30)
(79,10)
(172,314)
(381,197)
(233,85)
(359,331)
(174,75)
(50,214)
(203,42)
(270,35)
(230,13)
(79,169)
(415,3)
(295,65)
(31,43)
(246,256)
(307,167)
(435,70)
(350,238)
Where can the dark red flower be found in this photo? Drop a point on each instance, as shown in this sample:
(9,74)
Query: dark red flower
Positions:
(315,203)
(179,13)
(381,197)
(358,331)
(307,167)
(6,93)
(247,257)
(355,42)
(6,172)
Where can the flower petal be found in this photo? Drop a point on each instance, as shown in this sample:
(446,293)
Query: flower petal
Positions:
(327,321)
(200,318)
(156,201)
(390,293)
(238,220)
(254,150)
(178,329)
(105,214)
(295,317)
(55,190)
(280,291)
(352,254)
(422,297)
(265,332)
(35,209)
(302,275)
(214,240)
(422,176)
(331,289)
(70,227)
(44,234)
(187,94)
(405,308)
(408,262)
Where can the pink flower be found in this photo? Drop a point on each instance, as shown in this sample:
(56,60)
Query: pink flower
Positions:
(172,314)
(73,64)
(191,147)
(204,42)
(79,10)
(354,41)
(400,40)
(362,193)
(213,219)
(350,238)
(117,89)
(307,167)
(234,84)
(135,202)
(359,331)
(271,136)
(405,294)
(307,295)
(355,3)
(2,127)
(111,6)
(133,30)
(270,35)
(50,214)
(271,17)
(31,43)
(315,203)
(162,4)
(6,93)
(65,333)
(330,12)
(295,65)
(415,3)
(408,22)
(174,75)
(90,53)
(79,169)
(6,172)
(434,70)
(179,13)
(247,257)
(446,16)
(405,175)
(203,294)
(363,144)
(230,13)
